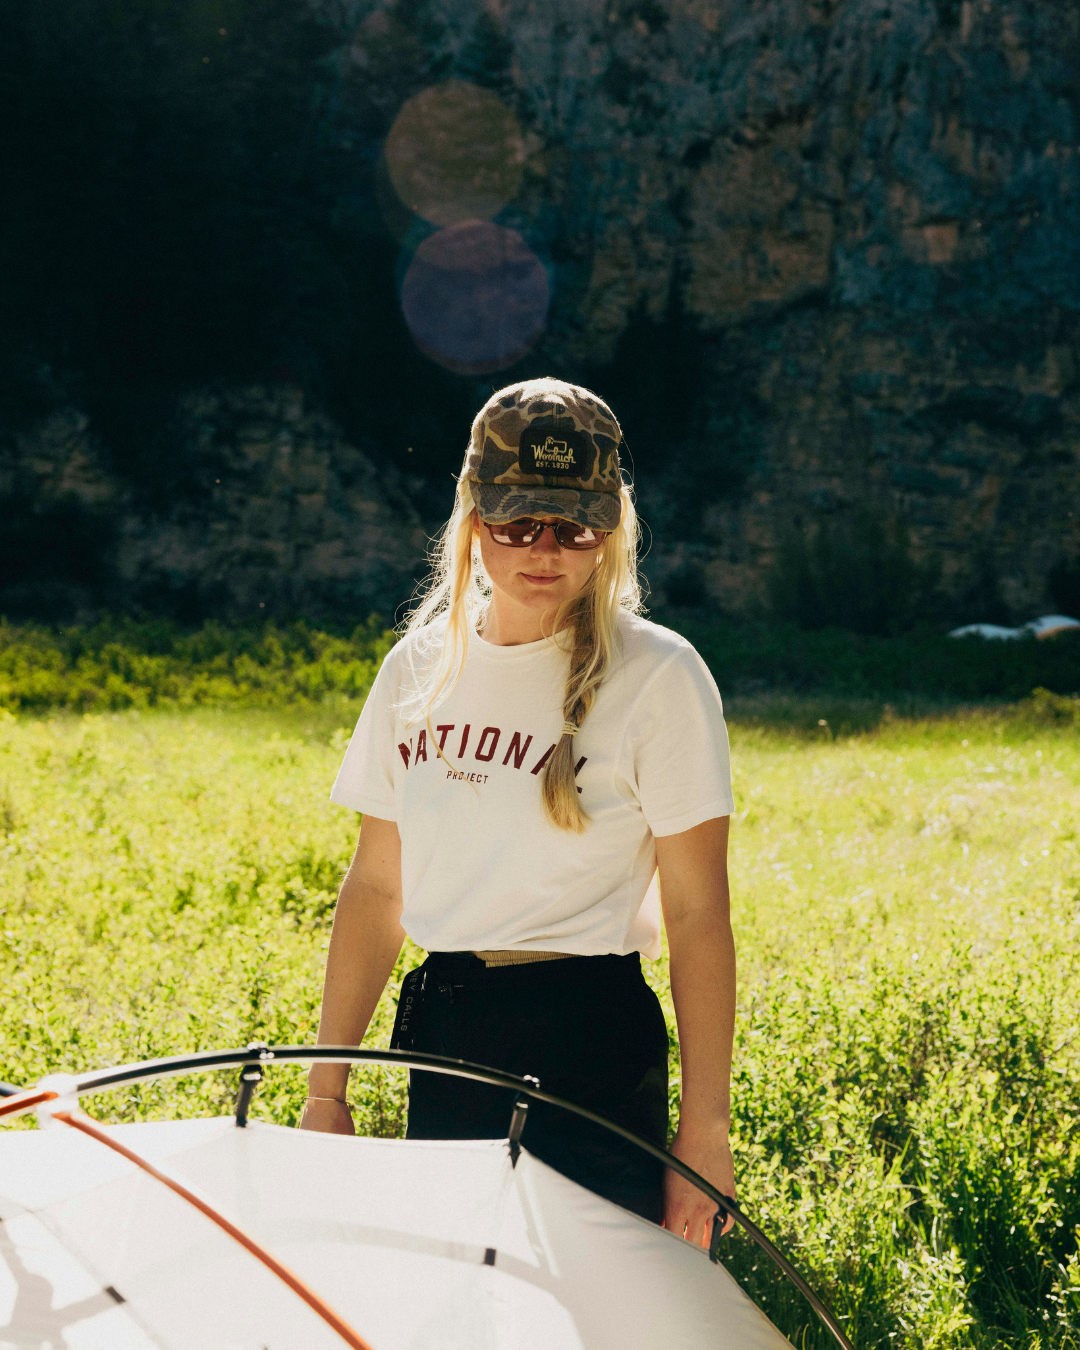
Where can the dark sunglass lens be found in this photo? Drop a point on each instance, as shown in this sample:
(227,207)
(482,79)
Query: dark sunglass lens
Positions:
(515,533)
(572,535)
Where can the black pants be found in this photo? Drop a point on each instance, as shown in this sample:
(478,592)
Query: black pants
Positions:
(588,1027)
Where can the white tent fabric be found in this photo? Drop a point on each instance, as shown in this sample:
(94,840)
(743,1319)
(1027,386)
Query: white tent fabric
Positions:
(417,1245)
(1049,625)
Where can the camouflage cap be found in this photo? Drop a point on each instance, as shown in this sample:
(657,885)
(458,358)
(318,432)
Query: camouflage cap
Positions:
(545,448)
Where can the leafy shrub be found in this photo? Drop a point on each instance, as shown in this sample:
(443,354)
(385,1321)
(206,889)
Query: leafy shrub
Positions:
(925,1106)
(121,664)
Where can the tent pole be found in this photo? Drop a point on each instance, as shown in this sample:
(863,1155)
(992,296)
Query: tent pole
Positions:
(15,1103)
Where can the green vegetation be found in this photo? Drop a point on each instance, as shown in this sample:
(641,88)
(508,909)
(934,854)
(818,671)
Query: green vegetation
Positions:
(119,664)
(907,907)
(922,665)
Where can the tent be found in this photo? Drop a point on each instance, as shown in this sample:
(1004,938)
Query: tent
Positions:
(198,1235)
(1048,625)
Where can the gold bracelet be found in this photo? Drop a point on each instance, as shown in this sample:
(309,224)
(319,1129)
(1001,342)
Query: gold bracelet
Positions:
(327,1099)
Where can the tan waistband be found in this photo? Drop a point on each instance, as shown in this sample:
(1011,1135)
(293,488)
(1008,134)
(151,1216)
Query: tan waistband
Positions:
(519,958)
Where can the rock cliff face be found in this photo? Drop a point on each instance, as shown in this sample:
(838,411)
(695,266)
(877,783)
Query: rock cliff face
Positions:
(869,213)
(822,256)
(288,517)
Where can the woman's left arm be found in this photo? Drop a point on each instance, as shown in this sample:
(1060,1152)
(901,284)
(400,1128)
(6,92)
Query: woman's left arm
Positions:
(694,895)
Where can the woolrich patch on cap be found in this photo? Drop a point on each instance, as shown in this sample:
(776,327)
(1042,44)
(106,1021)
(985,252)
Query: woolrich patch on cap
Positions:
(546,448)
(562,453)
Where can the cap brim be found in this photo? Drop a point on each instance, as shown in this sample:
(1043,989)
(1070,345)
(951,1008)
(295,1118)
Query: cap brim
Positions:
(496,503)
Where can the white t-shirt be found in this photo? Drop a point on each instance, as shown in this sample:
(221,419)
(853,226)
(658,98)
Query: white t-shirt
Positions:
(481,867)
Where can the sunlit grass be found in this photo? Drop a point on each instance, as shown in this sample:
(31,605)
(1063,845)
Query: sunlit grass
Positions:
(907,910)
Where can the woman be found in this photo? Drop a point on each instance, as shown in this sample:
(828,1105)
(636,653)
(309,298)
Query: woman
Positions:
(530,757)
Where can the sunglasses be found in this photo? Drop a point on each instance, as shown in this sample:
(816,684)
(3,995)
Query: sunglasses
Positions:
(522,533)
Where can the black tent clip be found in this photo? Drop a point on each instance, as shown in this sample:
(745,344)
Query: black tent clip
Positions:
(718,1222)
(517,1122)
(251,1075)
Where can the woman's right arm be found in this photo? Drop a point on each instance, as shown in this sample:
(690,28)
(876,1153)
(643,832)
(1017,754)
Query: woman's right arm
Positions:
(364,945)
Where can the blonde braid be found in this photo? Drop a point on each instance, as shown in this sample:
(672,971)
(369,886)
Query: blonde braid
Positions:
(562,803)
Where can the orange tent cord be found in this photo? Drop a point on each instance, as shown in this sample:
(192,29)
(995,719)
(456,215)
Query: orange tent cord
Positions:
(23,1101)
(90,1127)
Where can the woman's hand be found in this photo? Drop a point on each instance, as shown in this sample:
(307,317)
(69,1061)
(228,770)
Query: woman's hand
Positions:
(327,1117)
(688,1211)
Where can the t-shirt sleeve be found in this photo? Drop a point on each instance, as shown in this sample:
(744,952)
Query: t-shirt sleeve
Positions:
(681,763)
(365,780)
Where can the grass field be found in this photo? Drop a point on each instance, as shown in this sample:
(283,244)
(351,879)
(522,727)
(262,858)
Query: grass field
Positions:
(907,910)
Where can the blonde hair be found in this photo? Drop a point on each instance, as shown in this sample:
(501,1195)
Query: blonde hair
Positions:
(459,592)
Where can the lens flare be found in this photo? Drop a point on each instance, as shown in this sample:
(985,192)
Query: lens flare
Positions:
(475,297)
(455,153)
